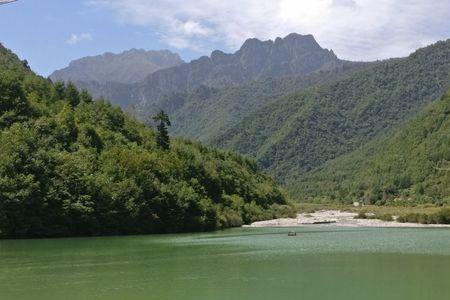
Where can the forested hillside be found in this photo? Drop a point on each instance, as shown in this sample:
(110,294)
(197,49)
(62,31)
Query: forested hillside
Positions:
(303,131)
(206,112)
(73,166)
(410,164)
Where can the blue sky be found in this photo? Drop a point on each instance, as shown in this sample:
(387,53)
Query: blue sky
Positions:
(41,30)
(51,33)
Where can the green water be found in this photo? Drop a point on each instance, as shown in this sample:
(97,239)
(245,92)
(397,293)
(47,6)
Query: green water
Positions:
(319,263)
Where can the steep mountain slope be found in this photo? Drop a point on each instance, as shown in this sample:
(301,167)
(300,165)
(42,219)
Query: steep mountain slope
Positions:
(9,61)
(294,55)
(206,112)
(116,93)
(302,131)
(72,166)
(127,67)
(411,163)
(208,96)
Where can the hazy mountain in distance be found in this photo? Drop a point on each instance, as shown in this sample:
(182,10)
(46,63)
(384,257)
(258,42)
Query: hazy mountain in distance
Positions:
(127,67)
(293,55)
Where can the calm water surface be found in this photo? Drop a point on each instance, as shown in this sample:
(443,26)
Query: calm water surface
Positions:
(319,263)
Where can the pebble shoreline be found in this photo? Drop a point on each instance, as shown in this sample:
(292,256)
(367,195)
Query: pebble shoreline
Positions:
(336,218)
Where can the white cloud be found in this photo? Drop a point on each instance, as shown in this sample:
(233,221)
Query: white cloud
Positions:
(192,28)
(354,29)
(348,3)
(77,38)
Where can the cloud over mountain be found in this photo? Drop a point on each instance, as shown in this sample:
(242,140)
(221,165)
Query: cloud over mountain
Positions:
(355,29)
(77,38)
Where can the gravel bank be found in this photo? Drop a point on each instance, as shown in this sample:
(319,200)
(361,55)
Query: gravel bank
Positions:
(334,218)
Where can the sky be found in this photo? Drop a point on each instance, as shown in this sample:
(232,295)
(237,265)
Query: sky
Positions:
(51,33)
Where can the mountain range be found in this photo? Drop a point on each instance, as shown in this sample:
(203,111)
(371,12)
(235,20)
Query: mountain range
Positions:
(127,67)
(294,55)
(290,104)
(303,130)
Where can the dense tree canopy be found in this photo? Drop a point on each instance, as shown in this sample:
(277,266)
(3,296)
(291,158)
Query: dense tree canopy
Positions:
(409,165)
(71,166)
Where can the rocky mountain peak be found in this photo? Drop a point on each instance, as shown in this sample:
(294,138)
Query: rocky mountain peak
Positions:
(293,55)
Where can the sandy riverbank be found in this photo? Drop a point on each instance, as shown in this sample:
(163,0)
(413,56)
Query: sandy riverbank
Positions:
(334,218)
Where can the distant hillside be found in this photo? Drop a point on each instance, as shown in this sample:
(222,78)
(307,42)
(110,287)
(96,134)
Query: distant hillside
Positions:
(127,67)
(73,166)
(206,112)
(410,164)
(303,131)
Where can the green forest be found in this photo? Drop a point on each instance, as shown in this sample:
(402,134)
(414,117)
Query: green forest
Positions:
(208,112)
(409,165)
(72,166)
(302,131)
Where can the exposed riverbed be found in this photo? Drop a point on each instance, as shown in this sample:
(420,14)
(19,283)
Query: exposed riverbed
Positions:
(335,218)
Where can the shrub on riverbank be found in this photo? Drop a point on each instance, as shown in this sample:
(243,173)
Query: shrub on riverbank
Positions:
(440,217)
(384,217)
(361,215)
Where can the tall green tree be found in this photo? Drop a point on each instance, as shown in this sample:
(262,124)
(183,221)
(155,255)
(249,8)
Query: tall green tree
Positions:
(162,138)
(72,95)
(59,90)
(85,96)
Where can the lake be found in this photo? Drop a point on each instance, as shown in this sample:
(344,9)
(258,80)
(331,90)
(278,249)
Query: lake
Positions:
(248,263)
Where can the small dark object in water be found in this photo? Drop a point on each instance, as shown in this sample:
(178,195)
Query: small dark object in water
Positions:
(324,222)
(292,233)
